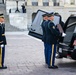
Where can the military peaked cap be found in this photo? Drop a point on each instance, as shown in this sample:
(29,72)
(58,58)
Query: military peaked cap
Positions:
(1,15)
(50,14)
(46,14)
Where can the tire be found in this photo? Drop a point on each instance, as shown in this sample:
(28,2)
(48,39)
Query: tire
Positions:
(73,55)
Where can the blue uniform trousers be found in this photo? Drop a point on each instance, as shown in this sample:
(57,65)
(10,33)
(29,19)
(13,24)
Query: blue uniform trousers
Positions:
(51,54)
(2,55)
(46,53)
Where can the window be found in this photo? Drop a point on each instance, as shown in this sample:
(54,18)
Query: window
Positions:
(45,2)
(34,2)
(56,2)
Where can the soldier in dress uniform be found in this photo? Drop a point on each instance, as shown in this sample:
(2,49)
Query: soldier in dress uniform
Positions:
(45,22)
(2,42)
(60,26)
(52,34)
(23,8)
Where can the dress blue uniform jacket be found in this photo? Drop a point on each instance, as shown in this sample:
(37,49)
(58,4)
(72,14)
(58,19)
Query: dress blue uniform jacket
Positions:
(44,32)
(52,33)
(3,34)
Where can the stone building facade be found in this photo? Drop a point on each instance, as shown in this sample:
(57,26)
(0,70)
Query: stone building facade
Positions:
(64,7)
(47,2)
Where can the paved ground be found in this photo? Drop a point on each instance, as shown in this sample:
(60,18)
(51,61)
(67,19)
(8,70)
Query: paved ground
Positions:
(25,56)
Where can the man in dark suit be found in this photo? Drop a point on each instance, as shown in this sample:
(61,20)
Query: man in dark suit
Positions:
(45,22)
(2,42)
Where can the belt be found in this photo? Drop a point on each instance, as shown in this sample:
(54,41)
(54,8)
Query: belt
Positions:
(3,34)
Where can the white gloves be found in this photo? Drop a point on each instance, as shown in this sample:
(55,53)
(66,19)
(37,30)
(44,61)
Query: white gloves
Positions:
(63,34)
(2,45)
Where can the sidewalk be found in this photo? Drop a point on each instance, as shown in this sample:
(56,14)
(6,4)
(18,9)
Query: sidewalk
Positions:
(25,56)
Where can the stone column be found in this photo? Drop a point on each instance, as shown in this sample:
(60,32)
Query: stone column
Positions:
(50,2)
(67,3)
(40,3)
(61,2)
(29,2)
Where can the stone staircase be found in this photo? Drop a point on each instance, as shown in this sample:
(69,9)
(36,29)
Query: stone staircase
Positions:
(8,27)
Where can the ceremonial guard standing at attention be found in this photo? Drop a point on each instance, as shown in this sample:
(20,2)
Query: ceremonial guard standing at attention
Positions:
(45,22)
(2,42)
(52,34)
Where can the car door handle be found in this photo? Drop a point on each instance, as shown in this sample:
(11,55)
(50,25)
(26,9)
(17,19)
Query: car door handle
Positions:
(33,29)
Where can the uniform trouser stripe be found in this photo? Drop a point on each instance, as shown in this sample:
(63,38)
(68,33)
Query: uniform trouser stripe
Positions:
(0,56)
(52,54)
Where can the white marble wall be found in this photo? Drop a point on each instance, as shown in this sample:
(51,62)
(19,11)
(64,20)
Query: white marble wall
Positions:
(18,20)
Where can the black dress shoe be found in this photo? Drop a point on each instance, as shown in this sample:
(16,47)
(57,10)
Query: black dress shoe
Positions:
(53,67)
(3,67)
